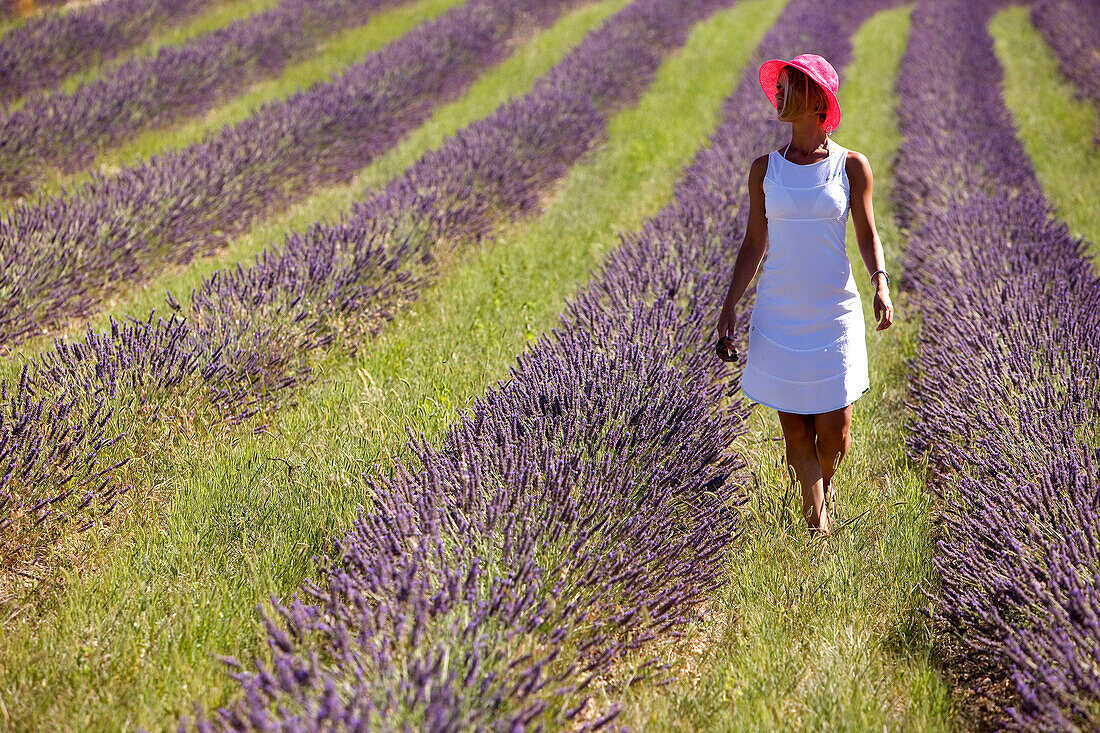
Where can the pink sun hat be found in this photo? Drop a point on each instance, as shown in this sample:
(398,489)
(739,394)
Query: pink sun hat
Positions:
(815,67)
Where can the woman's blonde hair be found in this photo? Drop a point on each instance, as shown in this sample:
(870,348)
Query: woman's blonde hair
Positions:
(802,95)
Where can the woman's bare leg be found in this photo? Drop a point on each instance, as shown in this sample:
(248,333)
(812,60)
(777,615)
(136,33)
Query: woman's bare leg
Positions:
(833,430)
(800,437)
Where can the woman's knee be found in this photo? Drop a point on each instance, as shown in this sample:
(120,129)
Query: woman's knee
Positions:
(834,438)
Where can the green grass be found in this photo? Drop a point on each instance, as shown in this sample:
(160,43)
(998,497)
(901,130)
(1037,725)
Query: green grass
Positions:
(342,49)
(1056,129)
(132,639)
(511,78)
(827,636)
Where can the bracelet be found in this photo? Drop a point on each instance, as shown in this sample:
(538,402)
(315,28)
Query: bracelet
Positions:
(884,272)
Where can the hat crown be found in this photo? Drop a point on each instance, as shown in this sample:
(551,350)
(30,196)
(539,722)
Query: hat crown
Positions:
(819,70)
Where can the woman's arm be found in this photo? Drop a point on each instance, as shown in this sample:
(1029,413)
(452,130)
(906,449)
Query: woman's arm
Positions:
(752,248)
(860,183)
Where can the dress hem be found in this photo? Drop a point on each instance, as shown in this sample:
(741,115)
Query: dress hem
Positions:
(799,412)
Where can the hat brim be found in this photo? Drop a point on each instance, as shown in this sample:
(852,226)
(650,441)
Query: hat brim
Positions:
(769,74)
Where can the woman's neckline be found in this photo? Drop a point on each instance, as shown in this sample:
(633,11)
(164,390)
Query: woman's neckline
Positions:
(805,165)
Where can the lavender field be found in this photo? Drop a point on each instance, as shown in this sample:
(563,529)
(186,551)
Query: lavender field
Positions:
(387,400)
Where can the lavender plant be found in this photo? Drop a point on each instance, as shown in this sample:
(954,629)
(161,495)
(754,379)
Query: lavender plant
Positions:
(43,51)
(248,333)
(1007,380)
(66,130)
(579,511)
(63,254)
(575,513)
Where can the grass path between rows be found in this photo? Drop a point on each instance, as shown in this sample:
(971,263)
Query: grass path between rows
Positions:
(134,641)
(344,48)
(218,15)
(513,77)
(1055,127)
(827,636)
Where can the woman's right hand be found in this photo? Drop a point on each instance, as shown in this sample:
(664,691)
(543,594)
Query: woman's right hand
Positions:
(727,323)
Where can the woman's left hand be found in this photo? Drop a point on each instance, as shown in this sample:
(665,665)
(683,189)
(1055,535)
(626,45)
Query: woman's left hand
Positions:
(884,309)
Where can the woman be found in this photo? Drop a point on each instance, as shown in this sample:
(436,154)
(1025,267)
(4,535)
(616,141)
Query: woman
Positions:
(807,354)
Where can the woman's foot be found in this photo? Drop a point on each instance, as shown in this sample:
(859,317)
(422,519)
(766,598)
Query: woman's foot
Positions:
(821,525)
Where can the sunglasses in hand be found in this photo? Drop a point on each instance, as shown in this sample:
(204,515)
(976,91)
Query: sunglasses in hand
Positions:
(725,349)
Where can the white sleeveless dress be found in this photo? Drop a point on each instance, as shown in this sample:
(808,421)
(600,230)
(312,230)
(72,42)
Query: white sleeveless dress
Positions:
(807,349)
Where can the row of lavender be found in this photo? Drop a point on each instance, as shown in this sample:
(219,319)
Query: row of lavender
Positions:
(48,48)
(576,513)
(1072,28)
(65,130)
(1006,383)
(64,254)
(248,333)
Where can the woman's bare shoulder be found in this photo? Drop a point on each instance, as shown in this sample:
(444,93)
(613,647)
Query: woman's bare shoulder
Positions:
(854,155)
(856,159)
(857,167)
(759,168)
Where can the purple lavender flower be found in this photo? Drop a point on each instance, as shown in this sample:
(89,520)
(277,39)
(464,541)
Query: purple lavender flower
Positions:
(1006,382)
